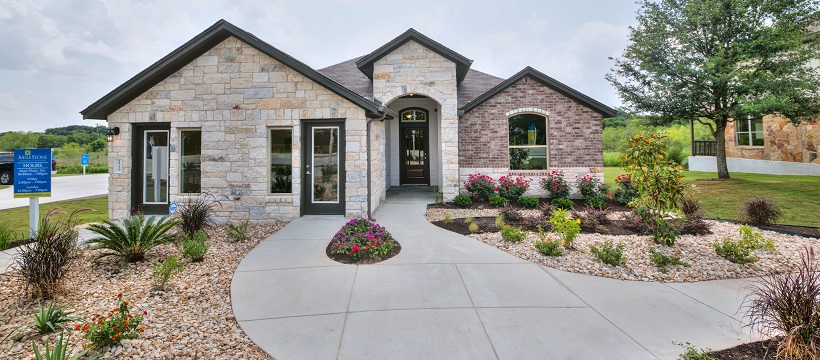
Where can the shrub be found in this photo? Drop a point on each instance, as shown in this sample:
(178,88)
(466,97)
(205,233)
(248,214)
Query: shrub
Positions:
(7,235)
(134,238)
(196,212)
(566,228)
(546,245)
(195,248)
(497,201)
(657,179)
(50,318)
(592,219)
(44,263)
(691,207)
(513,233)
(462,200)
(596,202)
(734,251)
(547,208)
(165,270)
(512,188)
(448,218)
(693,211)
(562,203)
(528,202)
(500,221)
(237,232)
(555,185)
(751,238)
(788,304)
(609,253)
(59,352)
(362,237)
(663,232)
(662,261)
(759,211)
(591,188)
(473,227)
(105,331)
(510,213)
(625,192)
(480,186)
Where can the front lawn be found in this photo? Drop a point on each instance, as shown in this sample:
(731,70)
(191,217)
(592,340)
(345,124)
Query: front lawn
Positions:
(17,218)
(797,196)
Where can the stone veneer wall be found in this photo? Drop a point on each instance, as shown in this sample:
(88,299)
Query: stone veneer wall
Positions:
(235,94)
(413,68)
(573,132)
(782,141)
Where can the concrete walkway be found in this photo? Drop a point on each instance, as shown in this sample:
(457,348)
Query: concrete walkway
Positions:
(62,188)
(446,296)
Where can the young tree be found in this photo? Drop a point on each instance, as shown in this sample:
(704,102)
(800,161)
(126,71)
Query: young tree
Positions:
(717,60)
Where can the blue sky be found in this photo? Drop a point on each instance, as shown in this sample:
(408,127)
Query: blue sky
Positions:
(60,56)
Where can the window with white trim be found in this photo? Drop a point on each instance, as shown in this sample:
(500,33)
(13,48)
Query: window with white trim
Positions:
(750,132)
(528,147)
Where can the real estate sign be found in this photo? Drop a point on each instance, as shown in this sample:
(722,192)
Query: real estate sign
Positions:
(32,173)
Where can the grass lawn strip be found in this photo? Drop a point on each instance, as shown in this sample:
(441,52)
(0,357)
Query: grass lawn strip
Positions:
(193,315)
(18,217)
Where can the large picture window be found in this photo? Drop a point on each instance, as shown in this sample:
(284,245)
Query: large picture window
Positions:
(281,161)
(191,161)
(750,132)
(528,142)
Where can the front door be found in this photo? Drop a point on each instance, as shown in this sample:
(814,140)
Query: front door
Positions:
(150,176)
(415,167)
(323,160)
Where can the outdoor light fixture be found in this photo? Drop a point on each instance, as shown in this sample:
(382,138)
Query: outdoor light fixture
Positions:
(111,133)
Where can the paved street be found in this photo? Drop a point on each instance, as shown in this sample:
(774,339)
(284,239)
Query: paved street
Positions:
(62,188)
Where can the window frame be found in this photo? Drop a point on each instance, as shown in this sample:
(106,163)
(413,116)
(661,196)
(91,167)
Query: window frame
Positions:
(181,152)
(414,120)
(270,159)
(546,146)
(750,123)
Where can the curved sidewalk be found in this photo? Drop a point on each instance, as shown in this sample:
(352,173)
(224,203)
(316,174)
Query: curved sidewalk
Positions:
(446,296)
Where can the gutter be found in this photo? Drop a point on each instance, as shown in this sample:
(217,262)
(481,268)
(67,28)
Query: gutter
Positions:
(384,111)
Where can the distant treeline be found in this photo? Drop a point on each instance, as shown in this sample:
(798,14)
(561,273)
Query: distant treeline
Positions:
(85,138)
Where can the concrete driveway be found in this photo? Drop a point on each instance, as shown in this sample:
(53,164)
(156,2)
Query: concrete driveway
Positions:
(62,188)
(446,296)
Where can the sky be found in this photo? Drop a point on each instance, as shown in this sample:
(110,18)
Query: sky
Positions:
(58,57)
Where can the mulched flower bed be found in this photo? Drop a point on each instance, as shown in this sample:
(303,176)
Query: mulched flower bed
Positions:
(347,259)
(759,350)
(361,241)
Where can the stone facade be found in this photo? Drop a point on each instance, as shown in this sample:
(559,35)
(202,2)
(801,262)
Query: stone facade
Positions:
(782,141)
(415,69)
(235,94)
(573,131)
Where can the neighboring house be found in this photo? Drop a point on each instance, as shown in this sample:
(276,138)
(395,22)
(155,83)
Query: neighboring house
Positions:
(229,114)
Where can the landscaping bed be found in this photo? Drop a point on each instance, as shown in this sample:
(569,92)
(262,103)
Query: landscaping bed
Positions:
(192,316)
(758,350)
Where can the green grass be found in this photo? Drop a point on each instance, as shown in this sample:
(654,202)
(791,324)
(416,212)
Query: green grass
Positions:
(4,186)
(797,196)
(17,218)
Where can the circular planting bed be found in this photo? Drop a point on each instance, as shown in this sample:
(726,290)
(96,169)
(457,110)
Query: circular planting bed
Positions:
(362,241)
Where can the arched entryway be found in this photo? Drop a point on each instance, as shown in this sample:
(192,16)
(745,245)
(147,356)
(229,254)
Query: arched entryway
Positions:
(413,146)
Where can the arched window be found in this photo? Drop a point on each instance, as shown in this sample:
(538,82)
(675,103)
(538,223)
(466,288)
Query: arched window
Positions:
(413,115)
(528,142)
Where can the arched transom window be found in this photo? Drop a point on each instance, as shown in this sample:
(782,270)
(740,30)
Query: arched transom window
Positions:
(413,115)
(528,142)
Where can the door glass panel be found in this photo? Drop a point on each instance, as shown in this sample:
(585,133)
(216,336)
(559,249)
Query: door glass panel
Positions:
(414,152)
(155,167)
(325,159)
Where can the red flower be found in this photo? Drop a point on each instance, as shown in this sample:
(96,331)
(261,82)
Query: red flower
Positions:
(119,295)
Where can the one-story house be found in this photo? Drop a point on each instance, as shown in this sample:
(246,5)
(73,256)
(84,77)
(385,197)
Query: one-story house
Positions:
(229,114)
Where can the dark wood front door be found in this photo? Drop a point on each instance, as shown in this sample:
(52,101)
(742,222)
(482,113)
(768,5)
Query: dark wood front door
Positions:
(323,167)
(150,159)
(415,164)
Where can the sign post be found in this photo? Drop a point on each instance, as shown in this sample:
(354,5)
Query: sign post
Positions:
(84,161)
(32,179)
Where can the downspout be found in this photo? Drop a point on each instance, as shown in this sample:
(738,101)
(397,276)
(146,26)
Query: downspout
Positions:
(369,175)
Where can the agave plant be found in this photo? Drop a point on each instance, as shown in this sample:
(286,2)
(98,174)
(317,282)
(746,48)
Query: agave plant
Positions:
(137,235)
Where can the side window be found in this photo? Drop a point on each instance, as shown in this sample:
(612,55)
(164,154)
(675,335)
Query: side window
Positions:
(528,142)
(190,157)
(750,132)
(281,160)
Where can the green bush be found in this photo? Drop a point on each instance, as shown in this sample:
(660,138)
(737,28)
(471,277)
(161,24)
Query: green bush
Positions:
(78,169)
(596,203)
(165,270)
(7,235)
(51,317)
(562,203)
(512,233)
(106,331)
(662,261)
(734,251)
(134,238)
(546,245)
(194,248)
(609,253)
(566,228)
(237,232)
(612,159)
(555,185)
(497,201)
(752,239)
(528,202)
(462,200)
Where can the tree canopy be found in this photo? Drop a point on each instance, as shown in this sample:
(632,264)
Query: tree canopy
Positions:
(716,60)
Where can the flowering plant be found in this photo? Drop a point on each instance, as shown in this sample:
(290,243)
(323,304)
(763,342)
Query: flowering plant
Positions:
(362,237)
(512,188)
(590,187)
(104,331)
(555,185)
(480,186)
(626,191)
(546,245)
(566,228)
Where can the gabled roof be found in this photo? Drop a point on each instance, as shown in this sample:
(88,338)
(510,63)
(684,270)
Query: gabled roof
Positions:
(365,64)
(547,81)
(199,45)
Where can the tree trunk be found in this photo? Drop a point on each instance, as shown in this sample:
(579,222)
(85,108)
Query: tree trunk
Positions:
(720,136)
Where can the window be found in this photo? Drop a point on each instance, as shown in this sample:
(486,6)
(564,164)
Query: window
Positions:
(750,132)
(191,161)
(528,142)
(414,115)
(281,161)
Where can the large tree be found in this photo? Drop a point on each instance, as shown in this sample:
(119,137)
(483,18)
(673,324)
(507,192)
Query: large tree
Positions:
(713,61)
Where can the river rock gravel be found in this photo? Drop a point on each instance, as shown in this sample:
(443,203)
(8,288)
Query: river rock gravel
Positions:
(193,316)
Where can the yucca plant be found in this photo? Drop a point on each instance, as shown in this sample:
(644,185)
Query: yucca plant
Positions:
(196,213)
(44,263)
(52,317)
(137,235)
(788,304)
(60,351)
